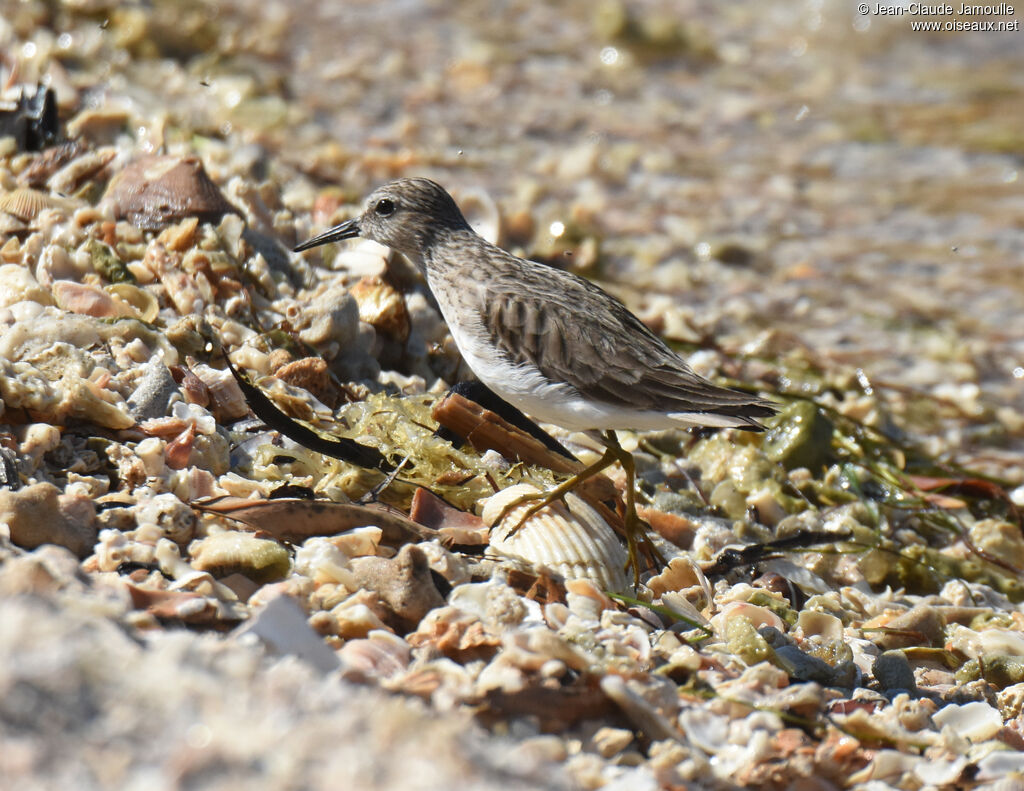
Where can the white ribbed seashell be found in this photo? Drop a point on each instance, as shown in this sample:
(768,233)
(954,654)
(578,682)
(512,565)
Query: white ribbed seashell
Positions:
(26,204)
(569,539)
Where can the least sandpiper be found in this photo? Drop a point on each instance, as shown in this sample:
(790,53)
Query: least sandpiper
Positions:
(549,342)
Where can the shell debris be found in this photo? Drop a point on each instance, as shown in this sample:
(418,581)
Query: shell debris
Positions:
(160,234)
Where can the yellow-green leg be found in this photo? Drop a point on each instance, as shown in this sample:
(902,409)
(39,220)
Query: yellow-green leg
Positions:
(614,452)
(632,523)
(545,499)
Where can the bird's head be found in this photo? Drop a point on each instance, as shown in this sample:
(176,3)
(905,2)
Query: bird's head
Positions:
(405,215)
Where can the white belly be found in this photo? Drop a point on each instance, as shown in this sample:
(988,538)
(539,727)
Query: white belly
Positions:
(557,403)
(527,389)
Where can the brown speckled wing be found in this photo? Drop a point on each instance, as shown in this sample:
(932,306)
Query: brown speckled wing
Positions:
(574,332)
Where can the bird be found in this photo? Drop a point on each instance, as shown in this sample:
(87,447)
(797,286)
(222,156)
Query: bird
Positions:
(549,342)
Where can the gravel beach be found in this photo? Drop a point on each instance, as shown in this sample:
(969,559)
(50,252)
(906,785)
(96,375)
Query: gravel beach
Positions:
(207,582)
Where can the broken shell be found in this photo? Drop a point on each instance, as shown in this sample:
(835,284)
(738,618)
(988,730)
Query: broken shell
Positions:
(324,562)
(71,176)
(10,225)
(680,573)
(608,742)
(113,548)
(180,237)
(179,450)
(356,618)
(454,633)
(138,299)
(678,603)
(194,388)
(814,622)
(366,257)
(88,300)
(359,541)
(18,285)
(227,402)
(571,540)
(56,264)
(996,640)
(757,615)
(99,123)
(921,623)
(156,190)
(260,559)
(175,520)
(48,162)
(311,374)
(382,307)
(975,721)
(182,288)
(379,655)
(999,538)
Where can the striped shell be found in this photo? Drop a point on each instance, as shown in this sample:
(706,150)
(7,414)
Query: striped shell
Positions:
(570,539)
(26,203)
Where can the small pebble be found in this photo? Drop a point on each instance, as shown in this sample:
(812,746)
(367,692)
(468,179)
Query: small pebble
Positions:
(611,741)
(153,395)
(403,583)
(892,671)
(40,514)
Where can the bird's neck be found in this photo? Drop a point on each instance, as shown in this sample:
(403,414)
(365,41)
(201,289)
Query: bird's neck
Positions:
(446,248)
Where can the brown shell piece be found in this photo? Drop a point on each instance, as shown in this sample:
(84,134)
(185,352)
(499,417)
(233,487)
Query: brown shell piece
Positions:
(154,191)
(295,520)
(49,162)
(311,374)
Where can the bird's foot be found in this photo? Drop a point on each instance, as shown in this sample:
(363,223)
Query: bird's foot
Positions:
(638,543)
(545,499)
(540,501)
(637,539)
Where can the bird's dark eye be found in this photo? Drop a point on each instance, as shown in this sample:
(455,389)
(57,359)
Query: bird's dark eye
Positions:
(384,207)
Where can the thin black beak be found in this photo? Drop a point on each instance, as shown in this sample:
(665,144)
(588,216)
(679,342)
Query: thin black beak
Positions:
(346,230)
